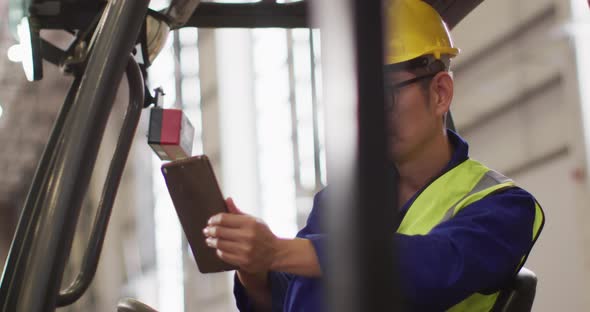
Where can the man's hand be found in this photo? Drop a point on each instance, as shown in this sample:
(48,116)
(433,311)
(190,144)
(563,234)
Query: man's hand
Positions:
(242,240)
(248,243)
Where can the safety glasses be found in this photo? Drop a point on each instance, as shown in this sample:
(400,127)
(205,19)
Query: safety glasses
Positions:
(393,91)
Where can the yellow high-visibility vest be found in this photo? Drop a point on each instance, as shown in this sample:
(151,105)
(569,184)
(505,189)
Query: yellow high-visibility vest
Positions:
(465,184)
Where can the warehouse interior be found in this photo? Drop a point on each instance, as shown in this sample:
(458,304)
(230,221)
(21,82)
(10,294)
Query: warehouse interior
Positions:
(254,98)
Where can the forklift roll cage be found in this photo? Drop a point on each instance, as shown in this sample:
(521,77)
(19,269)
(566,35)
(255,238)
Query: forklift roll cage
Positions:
(41,245)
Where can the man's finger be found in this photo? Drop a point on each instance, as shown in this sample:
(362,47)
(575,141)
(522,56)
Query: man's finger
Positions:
(229,258)
(231,247)
(211,242)
(229,220)
(231,234)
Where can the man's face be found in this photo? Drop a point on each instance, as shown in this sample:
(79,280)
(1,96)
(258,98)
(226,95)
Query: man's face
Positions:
(412,118)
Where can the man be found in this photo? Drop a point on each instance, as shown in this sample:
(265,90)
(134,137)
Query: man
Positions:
(466,229)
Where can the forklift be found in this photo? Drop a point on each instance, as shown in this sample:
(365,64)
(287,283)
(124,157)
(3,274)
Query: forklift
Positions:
(110,37)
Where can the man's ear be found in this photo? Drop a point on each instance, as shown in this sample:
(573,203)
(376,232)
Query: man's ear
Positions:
(441,89)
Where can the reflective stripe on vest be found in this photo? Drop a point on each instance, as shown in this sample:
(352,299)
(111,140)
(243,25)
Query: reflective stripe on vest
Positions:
(489,179)
(457,188)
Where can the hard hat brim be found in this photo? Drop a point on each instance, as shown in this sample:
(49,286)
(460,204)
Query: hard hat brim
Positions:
(437,52)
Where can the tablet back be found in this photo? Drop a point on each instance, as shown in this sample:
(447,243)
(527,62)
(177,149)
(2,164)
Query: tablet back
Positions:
(196,197)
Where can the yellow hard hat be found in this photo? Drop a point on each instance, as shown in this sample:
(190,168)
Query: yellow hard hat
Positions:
(415,29)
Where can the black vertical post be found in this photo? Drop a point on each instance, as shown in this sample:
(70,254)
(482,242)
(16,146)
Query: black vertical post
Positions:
(376,208)
(362,191)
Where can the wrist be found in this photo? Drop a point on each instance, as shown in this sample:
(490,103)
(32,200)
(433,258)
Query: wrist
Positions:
(248,279)
(282,251)
(296,256)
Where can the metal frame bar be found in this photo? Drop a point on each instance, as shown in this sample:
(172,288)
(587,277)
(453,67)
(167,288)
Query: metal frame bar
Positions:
(207,15)
(261,14)
(315,112)
(35,282)
(453,11)
(111,185)
(250,15)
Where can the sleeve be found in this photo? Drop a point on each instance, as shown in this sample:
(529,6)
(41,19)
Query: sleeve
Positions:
(279,281)
(312,230)
(478,250)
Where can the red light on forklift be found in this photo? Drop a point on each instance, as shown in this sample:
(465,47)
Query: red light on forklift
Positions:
(170,134)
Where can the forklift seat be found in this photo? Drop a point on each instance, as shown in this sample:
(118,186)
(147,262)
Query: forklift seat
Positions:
(132,305)
(519,296)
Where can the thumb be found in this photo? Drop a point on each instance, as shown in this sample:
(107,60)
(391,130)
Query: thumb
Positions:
(231,206)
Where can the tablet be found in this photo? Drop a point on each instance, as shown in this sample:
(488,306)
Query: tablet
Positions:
(196,196)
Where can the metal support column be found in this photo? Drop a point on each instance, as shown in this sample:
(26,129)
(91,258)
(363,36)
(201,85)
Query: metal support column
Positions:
(362,196)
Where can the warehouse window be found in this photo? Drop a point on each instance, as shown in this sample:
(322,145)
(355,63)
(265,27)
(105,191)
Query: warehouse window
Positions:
(176,69)
(289,123)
